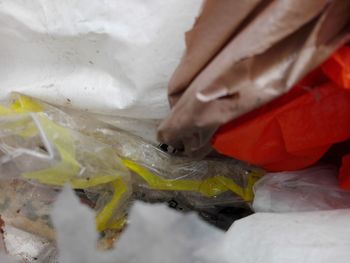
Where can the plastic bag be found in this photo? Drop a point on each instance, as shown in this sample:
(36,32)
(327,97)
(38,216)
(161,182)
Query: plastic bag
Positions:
(308,237)
(220,189)
(111,59)
(312,189)
(44,147)
(39,155)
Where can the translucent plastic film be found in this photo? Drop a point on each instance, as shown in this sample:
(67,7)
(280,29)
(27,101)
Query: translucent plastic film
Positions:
(312,189)
(39,156)
(43,148)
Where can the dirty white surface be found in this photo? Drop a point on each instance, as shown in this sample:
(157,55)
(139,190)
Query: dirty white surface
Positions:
(108,57)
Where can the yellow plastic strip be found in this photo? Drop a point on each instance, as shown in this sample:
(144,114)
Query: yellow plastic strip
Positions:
(21,104)
(208,187)
(5,111)
(252,179)
(66,170)
(68,167)
(26,104)
(103,218)
(117,224)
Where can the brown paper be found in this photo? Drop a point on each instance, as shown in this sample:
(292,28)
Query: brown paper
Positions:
(241,55)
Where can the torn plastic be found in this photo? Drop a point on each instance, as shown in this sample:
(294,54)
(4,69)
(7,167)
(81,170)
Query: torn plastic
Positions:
(313,189)
(220,189)
(38,156)
(44,147)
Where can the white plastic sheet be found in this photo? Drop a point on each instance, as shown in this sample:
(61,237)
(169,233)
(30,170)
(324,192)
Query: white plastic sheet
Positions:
(108,57)
(312,189)
(310,237)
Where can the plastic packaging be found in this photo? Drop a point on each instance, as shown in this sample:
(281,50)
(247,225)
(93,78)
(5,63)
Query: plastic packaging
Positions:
(312,189)
(220,189)
(39,156)
(45,147)
(307,237)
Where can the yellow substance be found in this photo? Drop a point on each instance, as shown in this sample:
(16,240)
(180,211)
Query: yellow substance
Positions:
(208,187)
(67,169)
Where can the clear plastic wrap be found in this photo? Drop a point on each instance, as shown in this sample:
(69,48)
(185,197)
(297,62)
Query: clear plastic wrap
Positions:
(311,189)
(39,155)
(43,148)
(189,184)
(220,189)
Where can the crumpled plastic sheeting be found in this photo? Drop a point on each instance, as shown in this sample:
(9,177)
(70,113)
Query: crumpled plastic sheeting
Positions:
(309,237)
(112,57)
(312,189)
(155,233)
(43,148)
(38,156)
